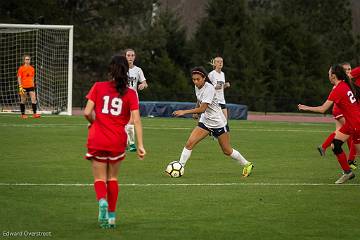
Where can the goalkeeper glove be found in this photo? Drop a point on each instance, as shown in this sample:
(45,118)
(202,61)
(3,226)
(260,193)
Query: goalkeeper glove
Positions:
(21,90)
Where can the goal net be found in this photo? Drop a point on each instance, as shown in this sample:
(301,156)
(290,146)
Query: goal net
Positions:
(50,48)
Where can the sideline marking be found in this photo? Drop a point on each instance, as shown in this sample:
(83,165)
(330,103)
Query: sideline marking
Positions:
(162,128)
(180,184)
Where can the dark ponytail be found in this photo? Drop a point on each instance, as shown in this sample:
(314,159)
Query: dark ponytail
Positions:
(118,70)
(201,70)
(340,74)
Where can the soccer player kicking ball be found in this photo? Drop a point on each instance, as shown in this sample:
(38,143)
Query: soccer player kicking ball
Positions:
(109,107)
(346,97)
(212,120)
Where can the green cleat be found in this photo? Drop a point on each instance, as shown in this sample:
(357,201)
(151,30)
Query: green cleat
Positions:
(132,148)
(112,219)
(247,169)
(111,223)
(321,151)
(352,164)
(103,213)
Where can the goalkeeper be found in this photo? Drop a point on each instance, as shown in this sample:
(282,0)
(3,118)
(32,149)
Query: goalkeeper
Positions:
(26,74)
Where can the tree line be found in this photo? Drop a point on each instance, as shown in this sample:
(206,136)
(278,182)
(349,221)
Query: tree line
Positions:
(276,53)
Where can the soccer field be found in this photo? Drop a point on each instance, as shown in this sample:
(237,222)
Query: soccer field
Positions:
(46,185)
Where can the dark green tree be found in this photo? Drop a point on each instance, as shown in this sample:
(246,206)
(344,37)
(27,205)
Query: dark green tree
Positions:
(230,31)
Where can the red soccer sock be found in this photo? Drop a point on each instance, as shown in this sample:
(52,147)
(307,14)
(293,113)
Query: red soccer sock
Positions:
(341,157)
(112,193)
(100,189)
(352,152)
(328,141)
(349,142)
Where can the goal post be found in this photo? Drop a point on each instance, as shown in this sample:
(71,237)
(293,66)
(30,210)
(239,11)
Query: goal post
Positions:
(51,50)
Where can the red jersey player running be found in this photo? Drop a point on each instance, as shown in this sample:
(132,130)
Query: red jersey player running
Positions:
(346,97)
(339,122)
(109,107)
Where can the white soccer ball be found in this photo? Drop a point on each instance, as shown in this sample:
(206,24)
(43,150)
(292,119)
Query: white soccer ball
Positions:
(175,169)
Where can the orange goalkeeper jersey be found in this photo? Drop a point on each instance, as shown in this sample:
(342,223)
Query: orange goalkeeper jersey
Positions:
(26,74)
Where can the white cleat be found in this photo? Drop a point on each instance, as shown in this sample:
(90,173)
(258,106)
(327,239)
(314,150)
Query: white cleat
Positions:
(345,177)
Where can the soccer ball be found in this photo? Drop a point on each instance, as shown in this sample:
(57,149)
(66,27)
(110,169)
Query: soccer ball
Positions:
(175,169)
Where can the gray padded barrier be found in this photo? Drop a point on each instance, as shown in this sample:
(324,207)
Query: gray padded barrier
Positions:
(164,109)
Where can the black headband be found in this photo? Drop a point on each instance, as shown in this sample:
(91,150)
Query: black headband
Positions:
(199,72)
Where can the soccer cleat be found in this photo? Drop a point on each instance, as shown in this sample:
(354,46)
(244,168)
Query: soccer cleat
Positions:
(103,213)
(36,115)
(345,177)
(352,164)
(132,148)
(247,169)
(321,151)
(111,222)
(23,116)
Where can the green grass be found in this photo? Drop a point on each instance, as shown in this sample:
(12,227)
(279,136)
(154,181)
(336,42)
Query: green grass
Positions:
(290,195)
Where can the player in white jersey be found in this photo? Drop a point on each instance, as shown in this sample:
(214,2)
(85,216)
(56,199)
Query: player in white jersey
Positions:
(217,78)
(136,76)
(212,120)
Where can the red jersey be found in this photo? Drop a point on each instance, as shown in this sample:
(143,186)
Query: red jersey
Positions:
(26,74)
(344,98)
(107,133)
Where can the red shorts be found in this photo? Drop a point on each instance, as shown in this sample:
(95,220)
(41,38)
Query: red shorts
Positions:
(337,114)
(104,156)
(354,132)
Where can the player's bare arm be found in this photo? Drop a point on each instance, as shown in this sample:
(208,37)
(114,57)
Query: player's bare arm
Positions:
(200,109)
(89,111)
(143,85)
(141,152)
(320,109)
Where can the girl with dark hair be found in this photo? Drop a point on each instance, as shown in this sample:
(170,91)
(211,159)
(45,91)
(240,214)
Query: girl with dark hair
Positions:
(339,122)
(346,98)
(212,120)
(109,107)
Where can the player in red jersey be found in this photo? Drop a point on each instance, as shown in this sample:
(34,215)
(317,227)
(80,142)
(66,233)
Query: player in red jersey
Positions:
(346,96)
(26,75)
(339,122)
(109,107)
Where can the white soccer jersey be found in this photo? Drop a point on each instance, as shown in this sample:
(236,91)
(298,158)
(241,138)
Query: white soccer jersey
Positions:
(213,117)
(218,79)
(136,75)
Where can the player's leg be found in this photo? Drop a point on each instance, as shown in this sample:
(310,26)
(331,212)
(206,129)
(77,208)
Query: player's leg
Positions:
(22,105)
(326,144)
(352,154)
(34,103)
(195,137)
(100,177)
(112,191)
(339,122)
(130,131)
(338,141)
(224,142)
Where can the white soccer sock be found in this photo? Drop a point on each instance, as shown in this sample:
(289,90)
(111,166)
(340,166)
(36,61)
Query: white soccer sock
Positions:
(131,133)
(185,155)
(238,157)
